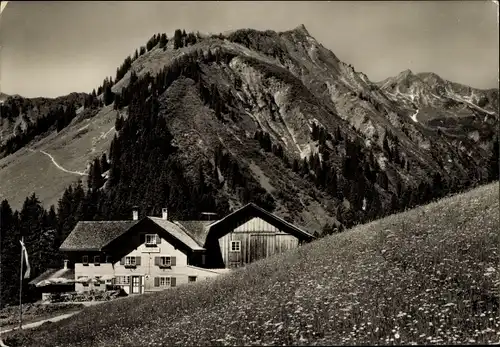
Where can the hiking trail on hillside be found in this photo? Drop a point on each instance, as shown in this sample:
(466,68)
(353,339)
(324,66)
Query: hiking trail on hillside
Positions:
(59,166)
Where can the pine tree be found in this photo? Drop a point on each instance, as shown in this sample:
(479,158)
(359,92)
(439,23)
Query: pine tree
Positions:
(177,39)
(118,123)
(52,218)
(163,40)
(8,249)
(304,167)
(104,163)
(65,217)
(97,179)
(331,182)
(494,162)
(108,96)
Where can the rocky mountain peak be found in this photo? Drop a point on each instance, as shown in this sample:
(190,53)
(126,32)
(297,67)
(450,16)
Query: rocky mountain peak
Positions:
(302,29)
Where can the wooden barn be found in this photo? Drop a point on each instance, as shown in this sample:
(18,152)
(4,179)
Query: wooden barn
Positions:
(249,234)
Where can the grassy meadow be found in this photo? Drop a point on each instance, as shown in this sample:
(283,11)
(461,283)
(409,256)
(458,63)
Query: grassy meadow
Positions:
(427,276)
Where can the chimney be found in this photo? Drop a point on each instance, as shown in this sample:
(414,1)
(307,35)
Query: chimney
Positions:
(135,213)
(164,213)
(65,264)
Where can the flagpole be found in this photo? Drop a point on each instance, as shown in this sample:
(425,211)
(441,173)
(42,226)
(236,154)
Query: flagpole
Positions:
(21,287)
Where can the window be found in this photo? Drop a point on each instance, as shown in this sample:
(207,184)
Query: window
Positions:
(85,260)
(235,246)
(97,282)
(165,261)
(192,279)
(129,261)
(122,280)
(109,259)
(97,260)
(165,282)
(150,239)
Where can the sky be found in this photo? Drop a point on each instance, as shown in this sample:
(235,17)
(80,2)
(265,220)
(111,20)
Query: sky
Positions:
(55,48)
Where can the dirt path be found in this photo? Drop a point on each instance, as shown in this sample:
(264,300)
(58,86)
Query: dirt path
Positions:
(59,166)
(40,322)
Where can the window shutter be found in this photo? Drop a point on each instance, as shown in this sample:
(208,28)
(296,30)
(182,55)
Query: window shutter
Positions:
(172,281)
(157,281)
(172,261)
(158,239)
(122,261)
(157,261)
(137,260)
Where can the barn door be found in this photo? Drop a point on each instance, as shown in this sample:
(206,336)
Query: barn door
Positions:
(234,255)
(262,246)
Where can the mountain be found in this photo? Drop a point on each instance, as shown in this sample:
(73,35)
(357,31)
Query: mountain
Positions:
(264,116)
(3,97)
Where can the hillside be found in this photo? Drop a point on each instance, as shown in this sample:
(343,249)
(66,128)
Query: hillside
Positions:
(315,141)
(425,276)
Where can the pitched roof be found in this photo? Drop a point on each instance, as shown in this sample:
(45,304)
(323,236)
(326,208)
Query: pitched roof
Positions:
(53,274)
(177,231)
(197,229)
(253,210)
(93,235)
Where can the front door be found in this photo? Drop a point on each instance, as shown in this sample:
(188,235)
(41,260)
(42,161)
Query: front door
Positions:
(136,284)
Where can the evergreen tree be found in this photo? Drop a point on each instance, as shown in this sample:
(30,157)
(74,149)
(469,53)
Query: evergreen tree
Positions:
(163,40)
(118,123)
(177,39)
(108,96)
(52,218)
(97,179)
(104,163)
(494,162)
(65,217)
(8,254)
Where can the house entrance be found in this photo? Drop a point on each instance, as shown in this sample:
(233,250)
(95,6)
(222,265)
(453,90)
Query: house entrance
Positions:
(136,285)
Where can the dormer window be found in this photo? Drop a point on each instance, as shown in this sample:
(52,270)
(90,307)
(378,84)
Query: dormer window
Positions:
(151,240)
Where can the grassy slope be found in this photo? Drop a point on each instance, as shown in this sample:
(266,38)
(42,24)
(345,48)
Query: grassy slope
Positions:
(429,275)
(25,172)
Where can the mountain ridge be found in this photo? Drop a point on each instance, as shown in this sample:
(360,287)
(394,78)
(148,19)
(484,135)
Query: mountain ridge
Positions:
(288,110)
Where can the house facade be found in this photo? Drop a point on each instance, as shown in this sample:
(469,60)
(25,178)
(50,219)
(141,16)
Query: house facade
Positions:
(155,253)
(139,256)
